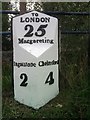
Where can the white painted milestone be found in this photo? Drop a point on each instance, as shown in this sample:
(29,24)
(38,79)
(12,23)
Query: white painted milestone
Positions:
(35,58)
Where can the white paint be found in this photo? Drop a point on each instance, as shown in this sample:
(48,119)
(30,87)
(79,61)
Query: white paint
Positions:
(36,93)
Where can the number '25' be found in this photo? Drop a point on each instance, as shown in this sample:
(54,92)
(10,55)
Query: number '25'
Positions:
(40,31)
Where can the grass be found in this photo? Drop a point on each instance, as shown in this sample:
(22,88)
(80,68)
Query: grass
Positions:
(71,103)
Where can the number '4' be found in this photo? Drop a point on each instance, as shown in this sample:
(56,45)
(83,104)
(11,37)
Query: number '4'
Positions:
(50,79)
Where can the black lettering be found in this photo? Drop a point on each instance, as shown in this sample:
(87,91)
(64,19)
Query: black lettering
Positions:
(32,14)
(48,63)
(50,79)
(30,30)
(27,19)
(47,19)
(51,42)
(24,64)
(36,14)
(20,40)
(31,42)
(41,63)
(19,65)
(21,19)
(25,78)
(37,20)
(42,19)
(32,19)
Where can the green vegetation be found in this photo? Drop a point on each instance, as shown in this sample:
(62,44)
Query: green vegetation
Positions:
(6,42)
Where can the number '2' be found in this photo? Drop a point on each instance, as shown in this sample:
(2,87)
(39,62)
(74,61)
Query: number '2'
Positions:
(25,78)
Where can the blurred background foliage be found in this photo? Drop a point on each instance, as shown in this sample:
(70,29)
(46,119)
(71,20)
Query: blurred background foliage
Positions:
(6,40)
